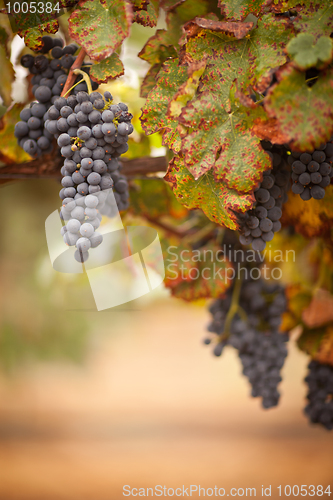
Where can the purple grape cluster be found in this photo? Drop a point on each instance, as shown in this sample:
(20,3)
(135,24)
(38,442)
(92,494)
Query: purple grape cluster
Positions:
(254,334)
(49,77)
(312,171)
(320,394)
(92,133)
(258,225)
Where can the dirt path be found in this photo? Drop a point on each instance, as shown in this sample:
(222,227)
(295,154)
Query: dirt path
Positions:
(153,407)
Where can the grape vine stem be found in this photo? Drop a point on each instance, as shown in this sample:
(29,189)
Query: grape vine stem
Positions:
(71,75)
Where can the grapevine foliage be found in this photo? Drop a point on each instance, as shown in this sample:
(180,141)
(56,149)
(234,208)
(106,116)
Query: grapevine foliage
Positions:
(236,92)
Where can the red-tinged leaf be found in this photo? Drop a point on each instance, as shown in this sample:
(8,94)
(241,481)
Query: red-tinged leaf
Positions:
(196,274)
(217,201)
(158,48)
(237,29)
(148,17)
(10,152)
(153,116)
(269,130)
(304,114)
(139,4)
(237,10)
(316,18)
(222,140)
(311,219)
(106,70)
(100,26)
(33,36)
(268,42)
(250,59)
(149,80)
(320,310)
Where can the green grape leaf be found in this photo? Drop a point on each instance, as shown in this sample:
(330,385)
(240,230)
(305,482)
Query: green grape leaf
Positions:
(170,4)
(3,38)
(217,202)
(306,52)
(33,36)
(100,26)
(10,152)
(315,18)
(153,198)
(108,69)
(154,112)
(305,114)
(158,48)
(149,80)
(7,69)
(148,17)
(249,59)
(222,140)
(237,10)
(318,343)
(196,274)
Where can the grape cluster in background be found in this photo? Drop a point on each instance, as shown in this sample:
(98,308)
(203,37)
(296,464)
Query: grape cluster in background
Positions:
(248,318)
(312,171)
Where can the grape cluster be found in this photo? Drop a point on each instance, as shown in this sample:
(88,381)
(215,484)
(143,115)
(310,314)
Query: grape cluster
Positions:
(312,171)
(258,225)
(320,394)
(254,333)
(91,133)
(49,77)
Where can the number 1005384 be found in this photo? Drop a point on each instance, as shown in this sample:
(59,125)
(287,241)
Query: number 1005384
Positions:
(32,7)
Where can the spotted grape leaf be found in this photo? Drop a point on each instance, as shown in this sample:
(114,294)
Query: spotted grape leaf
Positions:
(158,48)
(221,139)
(307,52)
(149,80)
(316,18)
(311,219)
(249,59)
(318,343)
(195,274)
(154,112)
(108,69)
(305,114)
(100,26)
(33,36)
(236,29)
(153,198)
(148,17)
(237,10)
(187,90)
(217,201)
(10,152)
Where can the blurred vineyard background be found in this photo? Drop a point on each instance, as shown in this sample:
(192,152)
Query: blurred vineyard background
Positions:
(92,401)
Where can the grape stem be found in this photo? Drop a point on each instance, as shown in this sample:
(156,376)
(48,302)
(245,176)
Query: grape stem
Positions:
(71,75)
(234,308)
